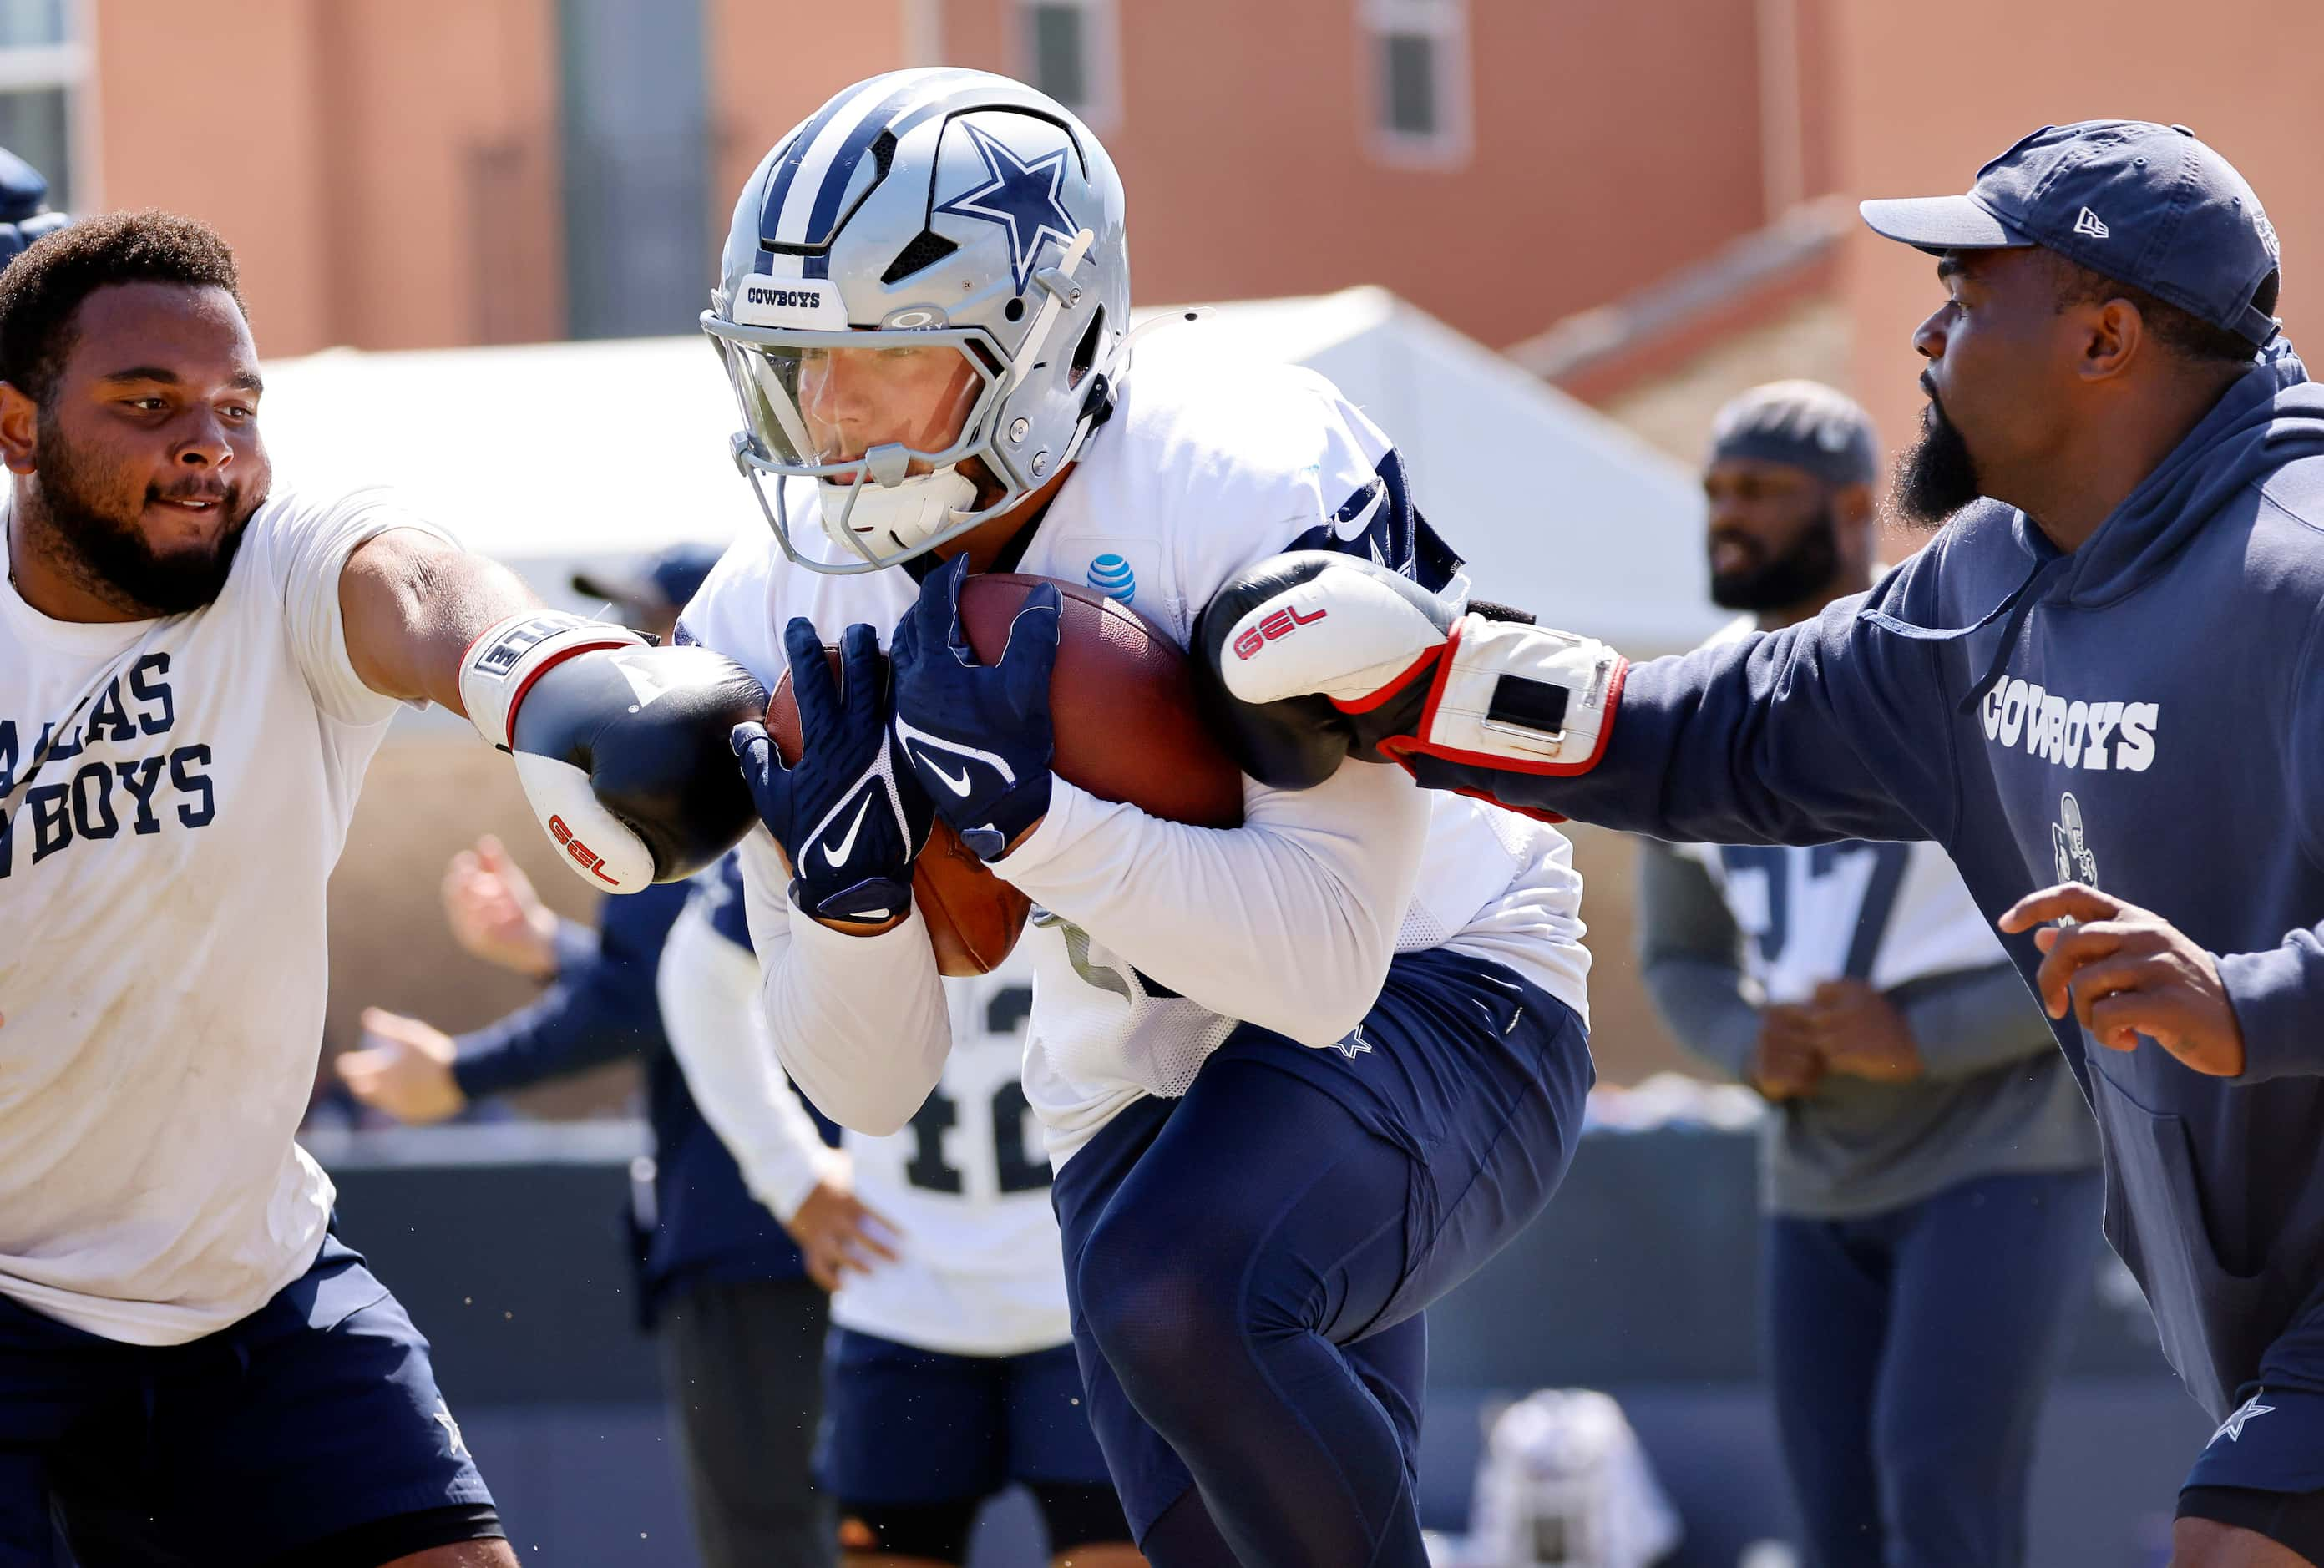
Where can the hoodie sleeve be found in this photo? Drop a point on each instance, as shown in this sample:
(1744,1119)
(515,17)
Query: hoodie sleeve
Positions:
(1834,728)
(2278,993)
(2278,998)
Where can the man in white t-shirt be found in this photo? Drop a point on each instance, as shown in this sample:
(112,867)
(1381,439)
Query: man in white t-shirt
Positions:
(195,669)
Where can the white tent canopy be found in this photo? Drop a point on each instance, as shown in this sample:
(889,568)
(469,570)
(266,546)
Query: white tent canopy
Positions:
(560,456)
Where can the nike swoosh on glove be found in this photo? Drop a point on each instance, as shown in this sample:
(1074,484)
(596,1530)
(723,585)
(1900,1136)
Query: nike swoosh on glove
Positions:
(977,736)
(849,815)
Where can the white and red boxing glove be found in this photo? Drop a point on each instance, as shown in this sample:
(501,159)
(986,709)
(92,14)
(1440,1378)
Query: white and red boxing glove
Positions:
(1312,656)
(621,745)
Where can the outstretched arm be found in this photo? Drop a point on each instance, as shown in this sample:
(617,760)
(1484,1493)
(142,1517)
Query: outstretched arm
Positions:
(1823,731)
(631,789)
(413,602)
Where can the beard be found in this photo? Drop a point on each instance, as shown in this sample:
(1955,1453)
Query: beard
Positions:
(1802,572)
(1935,476)
(110,554)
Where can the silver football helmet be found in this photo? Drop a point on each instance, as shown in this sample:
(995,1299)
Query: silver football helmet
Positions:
(929,271)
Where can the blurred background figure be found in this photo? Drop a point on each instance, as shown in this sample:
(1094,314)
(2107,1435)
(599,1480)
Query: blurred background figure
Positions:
(1565,1484)
(24,214)
(951,1369)
(1930,1175)
(739,1307)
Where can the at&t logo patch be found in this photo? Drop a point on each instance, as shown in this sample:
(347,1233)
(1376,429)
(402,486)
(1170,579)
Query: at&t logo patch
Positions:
(1111,575)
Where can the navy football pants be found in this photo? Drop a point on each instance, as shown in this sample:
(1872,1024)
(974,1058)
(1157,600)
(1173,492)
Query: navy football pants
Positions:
(1911,1353)
(1248,1264)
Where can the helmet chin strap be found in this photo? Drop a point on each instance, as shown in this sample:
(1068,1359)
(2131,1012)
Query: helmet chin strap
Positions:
(913,508)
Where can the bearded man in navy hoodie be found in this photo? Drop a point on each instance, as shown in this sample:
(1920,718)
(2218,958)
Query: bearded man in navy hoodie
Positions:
(2100,687)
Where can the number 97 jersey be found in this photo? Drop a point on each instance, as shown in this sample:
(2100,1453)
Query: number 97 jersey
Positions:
(967,1186)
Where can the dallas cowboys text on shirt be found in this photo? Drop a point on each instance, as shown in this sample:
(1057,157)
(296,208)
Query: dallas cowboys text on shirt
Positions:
(2090,734)
(74,796)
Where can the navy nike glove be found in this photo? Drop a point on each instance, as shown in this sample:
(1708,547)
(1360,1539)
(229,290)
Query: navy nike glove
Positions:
(849,814)
(977,735)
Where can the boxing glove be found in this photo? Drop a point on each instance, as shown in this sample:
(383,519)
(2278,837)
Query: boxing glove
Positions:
(621,745)
(1312,657)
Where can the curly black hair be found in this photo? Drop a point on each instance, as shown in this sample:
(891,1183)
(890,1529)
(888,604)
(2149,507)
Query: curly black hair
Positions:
(42,289)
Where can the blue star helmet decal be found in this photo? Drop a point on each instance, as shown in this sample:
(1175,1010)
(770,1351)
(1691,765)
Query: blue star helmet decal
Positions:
(1020,196)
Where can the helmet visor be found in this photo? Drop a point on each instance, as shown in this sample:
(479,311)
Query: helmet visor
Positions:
(824,402)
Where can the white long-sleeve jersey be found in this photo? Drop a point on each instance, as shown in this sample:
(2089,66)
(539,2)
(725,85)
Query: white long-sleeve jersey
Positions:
(1153,940)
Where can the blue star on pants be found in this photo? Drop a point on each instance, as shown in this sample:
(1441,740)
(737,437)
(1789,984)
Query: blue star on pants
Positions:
(1020,196)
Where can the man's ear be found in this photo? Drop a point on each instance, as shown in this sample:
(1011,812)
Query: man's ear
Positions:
(20,429)
(2115,335)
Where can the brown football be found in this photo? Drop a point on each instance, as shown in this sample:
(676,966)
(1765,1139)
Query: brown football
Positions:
(1121,707)
(1121,703)
(974,917)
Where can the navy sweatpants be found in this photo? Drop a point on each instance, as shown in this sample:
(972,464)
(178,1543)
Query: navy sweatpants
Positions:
(1911,1351)
(1248,1264)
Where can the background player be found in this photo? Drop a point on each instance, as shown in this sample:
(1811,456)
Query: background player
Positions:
(2107,662)
(951,1371)
(1267,1162)
(1931,1168)
(195,669)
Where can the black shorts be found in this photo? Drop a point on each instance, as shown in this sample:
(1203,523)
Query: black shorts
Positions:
(311,1431)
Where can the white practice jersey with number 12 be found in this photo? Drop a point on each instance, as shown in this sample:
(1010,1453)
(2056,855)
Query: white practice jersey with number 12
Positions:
(1153,940)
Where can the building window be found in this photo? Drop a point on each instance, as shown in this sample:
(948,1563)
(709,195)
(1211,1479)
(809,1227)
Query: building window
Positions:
(1069,49)
(1416,60)
(638,257)
(43,68)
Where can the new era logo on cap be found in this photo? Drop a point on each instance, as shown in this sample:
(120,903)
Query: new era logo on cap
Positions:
(2091,224)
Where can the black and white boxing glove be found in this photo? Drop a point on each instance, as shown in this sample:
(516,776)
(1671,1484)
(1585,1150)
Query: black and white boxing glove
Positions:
(621,745)
(1312,657)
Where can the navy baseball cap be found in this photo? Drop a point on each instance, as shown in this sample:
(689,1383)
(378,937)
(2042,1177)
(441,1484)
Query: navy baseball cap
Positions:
(662,582)
(2144,204)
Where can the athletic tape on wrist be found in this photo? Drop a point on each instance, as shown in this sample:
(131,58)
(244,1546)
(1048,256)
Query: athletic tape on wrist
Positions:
(504,660)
